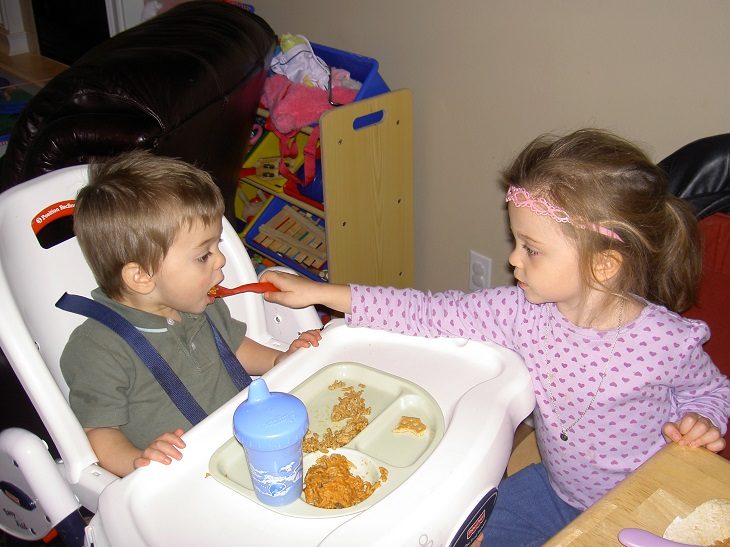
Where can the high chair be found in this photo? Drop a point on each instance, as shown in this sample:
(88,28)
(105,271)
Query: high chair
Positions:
(448,477)
(39,261)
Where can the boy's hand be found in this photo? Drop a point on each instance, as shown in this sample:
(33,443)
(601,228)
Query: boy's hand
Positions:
(306,339)
(162,449)
(694,430)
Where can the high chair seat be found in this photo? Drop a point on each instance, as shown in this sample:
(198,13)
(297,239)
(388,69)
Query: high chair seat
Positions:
(40,260)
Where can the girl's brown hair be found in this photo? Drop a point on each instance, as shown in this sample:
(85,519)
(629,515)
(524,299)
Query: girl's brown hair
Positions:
(133,208)
(600,179)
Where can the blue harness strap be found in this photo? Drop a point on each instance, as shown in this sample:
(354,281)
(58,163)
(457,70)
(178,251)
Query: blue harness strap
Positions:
(152,359)
(238,374)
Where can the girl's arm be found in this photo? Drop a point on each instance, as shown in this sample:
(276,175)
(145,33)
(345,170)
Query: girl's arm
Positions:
(703,397)
(298,292)
(484,315)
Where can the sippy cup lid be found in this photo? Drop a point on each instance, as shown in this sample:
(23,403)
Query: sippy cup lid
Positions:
(269,421)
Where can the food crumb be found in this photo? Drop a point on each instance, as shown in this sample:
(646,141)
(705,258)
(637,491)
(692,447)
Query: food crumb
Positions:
(410,424)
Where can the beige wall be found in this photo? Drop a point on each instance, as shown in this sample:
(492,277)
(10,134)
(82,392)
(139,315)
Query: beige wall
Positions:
(489,75)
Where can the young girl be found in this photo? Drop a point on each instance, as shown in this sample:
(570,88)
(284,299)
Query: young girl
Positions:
(604,259)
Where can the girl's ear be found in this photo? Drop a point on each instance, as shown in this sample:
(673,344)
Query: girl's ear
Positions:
(137,279)
(606,265)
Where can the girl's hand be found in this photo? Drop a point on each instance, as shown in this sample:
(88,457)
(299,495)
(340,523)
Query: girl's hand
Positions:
(306,339)
(296,291)
(694,430)
(163,449)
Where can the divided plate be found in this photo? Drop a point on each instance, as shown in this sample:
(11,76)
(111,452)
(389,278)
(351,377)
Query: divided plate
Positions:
(389,398)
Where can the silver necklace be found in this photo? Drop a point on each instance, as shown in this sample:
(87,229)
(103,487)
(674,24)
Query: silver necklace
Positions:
(551,376)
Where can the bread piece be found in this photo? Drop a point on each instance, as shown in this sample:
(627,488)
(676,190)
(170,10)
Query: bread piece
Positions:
(706,524)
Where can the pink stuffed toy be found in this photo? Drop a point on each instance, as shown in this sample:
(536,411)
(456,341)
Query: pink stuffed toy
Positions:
(293,106)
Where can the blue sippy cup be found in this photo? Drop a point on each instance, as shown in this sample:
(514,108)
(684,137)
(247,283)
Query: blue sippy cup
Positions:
(271,426)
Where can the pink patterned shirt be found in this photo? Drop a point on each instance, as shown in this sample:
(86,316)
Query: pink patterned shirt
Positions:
(657,373)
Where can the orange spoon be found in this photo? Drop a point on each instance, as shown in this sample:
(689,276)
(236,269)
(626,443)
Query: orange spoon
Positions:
(220,292)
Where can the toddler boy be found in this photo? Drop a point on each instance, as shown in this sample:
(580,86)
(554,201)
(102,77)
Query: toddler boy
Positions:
(149,228)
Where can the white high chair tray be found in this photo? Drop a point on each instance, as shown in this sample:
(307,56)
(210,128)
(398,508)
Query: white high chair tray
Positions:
(376,447)
(482,392)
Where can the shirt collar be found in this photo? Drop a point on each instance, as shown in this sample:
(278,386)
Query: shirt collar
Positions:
(140,319)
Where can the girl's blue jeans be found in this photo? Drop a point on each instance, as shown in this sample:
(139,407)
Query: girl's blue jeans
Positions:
(528,512)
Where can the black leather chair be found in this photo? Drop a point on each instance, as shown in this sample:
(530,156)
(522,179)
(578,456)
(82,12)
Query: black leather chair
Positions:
(699,172)
(185,84)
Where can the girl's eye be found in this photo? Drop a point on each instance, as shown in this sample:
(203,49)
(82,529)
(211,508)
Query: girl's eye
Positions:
(529,251)
(205,257)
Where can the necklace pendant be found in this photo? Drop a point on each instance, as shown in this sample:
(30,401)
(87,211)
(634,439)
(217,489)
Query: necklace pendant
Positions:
(563,436)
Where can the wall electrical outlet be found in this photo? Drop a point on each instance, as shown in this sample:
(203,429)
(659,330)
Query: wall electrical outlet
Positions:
(480,271)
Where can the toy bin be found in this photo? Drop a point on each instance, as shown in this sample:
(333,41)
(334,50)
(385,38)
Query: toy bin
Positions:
(362,69)
(291,236)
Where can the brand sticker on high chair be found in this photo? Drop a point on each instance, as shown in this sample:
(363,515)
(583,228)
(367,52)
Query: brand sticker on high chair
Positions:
(52,212)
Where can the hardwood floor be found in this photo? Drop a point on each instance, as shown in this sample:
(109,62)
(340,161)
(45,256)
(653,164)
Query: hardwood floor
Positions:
(31,67)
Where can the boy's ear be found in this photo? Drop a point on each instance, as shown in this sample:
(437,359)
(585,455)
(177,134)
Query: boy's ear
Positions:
(606,265)
(137,279)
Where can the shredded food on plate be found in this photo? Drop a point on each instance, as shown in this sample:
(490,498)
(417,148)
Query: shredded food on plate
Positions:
(329,484)
(351,409)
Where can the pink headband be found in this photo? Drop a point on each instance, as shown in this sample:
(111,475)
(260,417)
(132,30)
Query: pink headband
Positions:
(522,198)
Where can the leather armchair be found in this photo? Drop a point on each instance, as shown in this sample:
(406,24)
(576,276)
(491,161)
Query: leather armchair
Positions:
(699,172)
(184,84)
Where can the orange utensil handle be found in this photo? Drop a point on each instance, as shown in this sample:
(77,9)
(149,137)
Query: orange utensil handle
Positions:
(264,287)
(220,292)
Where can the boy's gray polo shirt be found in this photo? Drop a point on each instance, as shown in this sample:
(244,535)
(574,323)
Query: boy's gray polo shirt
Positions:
(111,386)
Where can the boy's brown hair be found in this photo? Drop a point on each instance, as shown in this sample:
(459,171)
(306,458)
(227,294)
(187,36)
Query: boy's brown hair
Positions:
(601,179)
(132,209)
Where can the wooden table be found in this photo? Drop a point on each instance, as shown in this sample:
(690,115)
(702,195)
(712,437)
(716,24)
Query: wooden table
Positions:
(671,483)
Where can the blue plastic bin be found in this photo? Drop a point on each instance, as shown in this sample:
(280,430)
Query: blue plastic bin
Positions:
(362,69)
